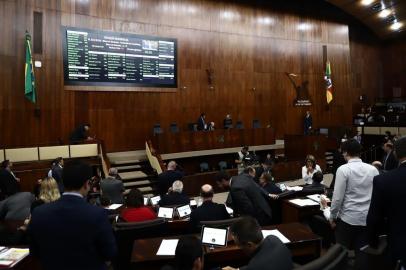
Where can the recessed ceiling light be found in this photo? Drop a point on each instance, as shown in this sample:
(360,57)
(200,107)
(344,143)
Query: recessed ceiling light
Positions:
(366,2)
(384,13)
(396,26)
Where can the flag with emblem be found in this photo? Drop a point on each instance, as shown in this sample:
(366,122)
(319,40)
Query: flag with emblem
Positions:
(329,83)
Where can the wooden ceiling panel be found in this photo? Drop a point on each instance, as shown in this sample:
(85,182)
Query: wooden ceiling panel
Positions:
(369,15)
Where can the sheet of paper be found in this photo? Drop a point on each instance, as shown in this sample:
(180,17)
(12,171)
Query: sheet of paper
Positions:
(114,206)
(294,188)
(276,233)
(145,201)
(314,197)
(303,202)
(193,203)
(167,247)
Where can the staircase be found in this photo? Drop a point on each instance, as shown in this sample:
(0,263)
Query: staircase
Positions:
(134,169)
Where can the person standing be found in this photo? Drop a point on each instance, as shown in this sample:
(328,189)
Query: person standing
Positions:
(112,188)
(351,198)
(70,233)
(166,178)
(389,161)
(201,122)
(308,123)
(387,205)
(80,134)
(228,122)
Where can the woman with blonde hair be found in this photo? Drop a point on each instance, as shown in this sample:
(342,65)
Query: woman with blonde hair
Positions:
(48,192)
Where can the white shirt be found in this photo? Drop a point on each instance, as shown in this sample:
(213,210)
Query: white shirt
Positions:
(352,192)
(307,177)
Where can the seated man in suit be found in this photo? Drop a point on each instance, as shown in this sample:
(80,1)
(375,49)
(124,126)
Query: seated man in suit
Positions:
(316,186)
(166,178)
(266,182)
(188,254)
(112,188)
(228,122)
(248,199)
(70,233)
(209,210)
(268,253)
(80,134)
(9,183)
(16,206)
(175,196)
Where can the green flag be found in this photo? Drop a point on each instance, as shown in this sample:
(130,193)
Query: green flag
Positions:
(29,71)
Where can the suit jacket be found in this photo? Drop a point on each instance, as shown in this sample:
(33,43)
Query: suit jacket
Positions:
(308,122)
(249,199)
(71,234)
(201,124)
(8,183)
(390,162)
(57,175)
(272,188)
(314,188)
(259,171)
(174,198)
(387,203)
(271,254)
(166,179)
(208,211)
(17,206)
(113,189)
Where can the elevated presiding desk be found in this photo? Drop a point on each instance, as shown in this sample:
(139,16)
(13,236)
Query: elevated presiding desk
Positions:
(186,141)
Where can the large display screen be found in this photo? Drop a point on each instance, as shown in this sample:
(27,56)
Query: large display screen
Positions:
(93,58)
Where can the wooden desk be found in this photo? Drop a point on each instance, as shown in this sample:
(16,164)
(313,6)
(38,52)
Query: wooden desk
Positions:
(295,213)
(220,138)
(303,243)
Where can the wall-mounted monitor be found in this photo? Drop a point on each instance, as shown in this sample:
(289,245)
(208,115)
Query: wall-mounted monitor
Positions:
(101,58)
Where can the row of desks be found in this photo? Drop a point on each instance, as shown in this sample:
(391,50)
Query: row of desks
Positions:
(303,243)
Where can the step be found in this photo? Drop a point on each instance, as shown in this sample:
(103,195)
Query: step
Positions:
(126,162)
(137,183)
(132,175)
(146,189)
(129,167)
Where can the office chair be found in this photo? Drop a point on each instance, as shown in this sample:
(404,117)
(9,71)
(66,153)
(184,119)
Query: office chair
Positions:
(127,232)
(192,126)
(334,259)
(223,165)
(256,124)
(204,167)
(223,223)
(174,128)
(157,129)
(239,125)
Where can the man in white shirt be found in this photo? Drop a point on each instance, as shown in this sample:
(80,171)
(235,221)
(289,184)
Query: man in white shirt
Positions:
(352,197)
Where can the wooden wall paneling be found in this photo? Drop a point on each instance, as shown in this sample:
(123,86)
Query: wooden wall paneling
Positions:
(247,45)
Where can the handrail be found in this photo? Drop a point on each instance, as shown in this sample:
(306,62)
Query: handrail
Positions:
(156,154)
(106,165)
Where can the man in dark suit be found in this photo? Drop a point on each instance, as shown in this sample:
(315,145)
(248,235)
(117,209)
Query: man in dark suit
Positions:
(228,122)
(16,206)
(266,167)
(9,183)
(389,161)
(316,187)
(387,204)
(246,196)
(268,253)
(308,123)
(209,210)
(201,122)
(57,173)
(80,134)
(175,196)
(70,233)
(166,178)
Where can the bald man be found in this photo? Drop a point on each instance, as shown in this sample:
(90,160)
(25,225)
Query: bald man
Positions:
(166,178)
(208,211)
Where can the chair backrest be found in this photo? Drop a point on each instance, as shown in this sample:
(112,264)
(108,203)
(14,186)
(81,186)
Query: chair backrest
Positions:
(223,223)
(174,128)
(334,259)
(192,126)
(157,129)
(222,165)
(239,125)
(204,167)
(127,232)
(256,124)
(84,150)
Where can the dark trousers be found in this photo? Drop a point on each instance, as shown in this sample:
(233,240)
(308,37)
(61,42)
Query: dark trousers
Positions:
(353,238)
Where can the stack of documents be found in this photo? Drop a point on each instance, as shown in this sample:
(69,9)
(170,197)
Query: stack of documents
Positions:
(12,256)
